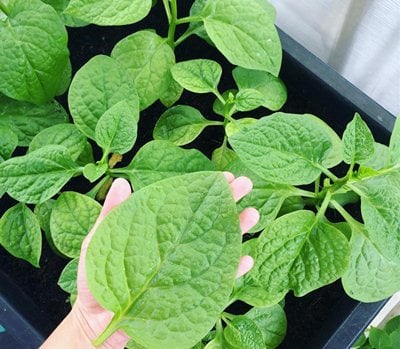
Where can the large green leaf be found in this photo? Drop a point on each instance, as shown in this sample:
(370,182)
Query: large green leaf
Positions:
(148,59)
(370,276)
(26,120)
(116,130)
(380,158)
(181,125)
(299,252)
(242,332)
(39,175)
(394,146)
(105,12)
(288,148)
(34,51)
(97,86)
(72,217)
(272,89)
(20,234)
(67,280)
(60,6)
(157,160)
(197,75)
(358,142)
(222,157)
(8,142)
(66,135)
(172,94)
(173,262)
(245,33)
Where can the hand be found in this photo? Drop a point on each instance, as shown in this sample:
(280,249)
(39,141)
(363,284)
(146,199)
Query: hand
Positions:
(87,318)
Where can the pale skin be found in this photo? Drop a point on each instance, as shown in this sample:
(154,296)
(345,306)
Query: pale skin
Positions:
(87,319)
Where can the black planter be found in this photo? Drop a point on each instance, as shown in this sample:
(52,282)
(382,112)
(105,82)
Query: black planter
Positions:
(326,318)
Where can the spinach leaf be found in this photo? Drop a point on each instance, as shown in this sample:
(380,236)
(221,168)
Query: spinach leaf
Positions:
(248,99)
(20,234)
(104,12)
(26,120)
(224,109)
(105,83)
(198,27)
(272,89)
(236,125)
(116,130)
(35,52)
(39,175)
(245,33)
(157,160)
(60,6)
(86,156)
(309,252)
(8,142)
(67,280)
(242,332)
(43,213)
(222,157)
(93,172)
(148,59)
(378,338)
(358,142)
(172,94)
(72,217)
(197,75)
(172,263)
(379,160)
(288,148)
(66,135)
(394,145)
(181,125)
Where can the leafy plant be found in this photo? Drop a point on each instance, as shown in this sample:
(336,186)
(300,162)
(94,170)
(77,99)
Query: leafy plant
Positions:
(299,249)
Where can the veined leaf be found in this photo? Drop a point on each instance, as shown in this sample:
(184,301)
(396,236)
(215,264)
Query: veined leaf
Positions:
(222,157)
(93,172)
(235,126)
(242,332)
(60,6)
(172,263)
(8,142)
(394,146)
(148,59)
(172,94)
(67,280)
(248,99)
(380,158)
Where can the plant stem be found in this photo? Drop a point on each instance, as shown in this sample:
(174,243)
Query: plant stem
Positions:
(93,192)
(316,185)
(172,24)
(219,96)
(328,173)
(167,10)
(189,19)
(110,329)
(184,36)
(306,193)
(324,204)
(348,218)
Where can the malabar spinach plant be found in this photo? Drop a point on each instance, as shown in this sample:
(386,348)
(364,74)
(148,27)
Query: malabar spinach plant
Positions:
(168,276)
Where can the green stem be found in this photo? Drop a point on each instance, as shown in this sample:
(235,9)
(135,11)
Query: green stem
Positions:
(306,193)
(324,205)
(328,173)
(110,329)
(184,36)
(316,185)
(219,96)
(215,123)
(348,218)
(350,171)
(189,19)
(93,192)
(172,24)
(167,10)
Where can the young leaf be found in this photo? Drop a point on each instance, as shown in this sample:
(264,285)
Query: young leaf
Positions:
(105,83)
(177,250)
(198,27)
(86,157)
(235,126)
(245,33)
(197,75)
(26,120)
(370,276)
(288,148)
(66,135)
(93,172)
(67,280)
(229,97)
(20,234)
(358,142)
(248,99)
(8,142)
(380,158)
(181,125)
(148,59)
(60,6)
(242,332)
(116,129)
(172,94)
(34,43)
(104,12)
(43,212)
(394,146)
(272,89)
(392,325)
(37,176)
(299,252)
(157,160)
(378,338)
(71,219)
(222,157)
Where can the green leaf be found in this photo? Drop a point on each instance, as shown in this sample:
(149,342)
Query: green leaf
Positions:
(8,142)
(379,339)
(172,94)
(20,234)
(148,59)
(104,12)
(370,276)
(157,160)
(288,148)
(35,42)
(222,157)
(197,75)
(181,125)
(105,83)
(290,204)
(272,89)
(358,142)
(267,197)
(245,33)
(242,332)
(43,212)
(93,172)
(360,341)
(26,120)
(66,135)
(393,325)
(86,156)
(272,323)
(248,99)
(299,252)
(72,217)
(380,158)
(394,146)
(60,6)
(116,130)
(39,175)
(235,126)
(172,263)
(229,97)
(67,280)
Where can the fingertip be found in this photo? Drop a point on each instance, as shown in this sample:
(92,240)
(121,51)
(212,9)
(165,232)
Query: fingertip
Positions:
(229,176)
(241,186)
(249,217)
(245,265)
(120,190)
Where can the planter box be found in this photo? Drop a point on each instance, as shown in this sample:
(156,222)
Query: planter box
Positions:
(326,318)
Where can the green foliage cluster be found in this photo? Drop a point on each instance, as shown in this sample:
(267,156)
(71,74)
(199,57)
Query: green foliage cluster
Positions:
(169,273)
